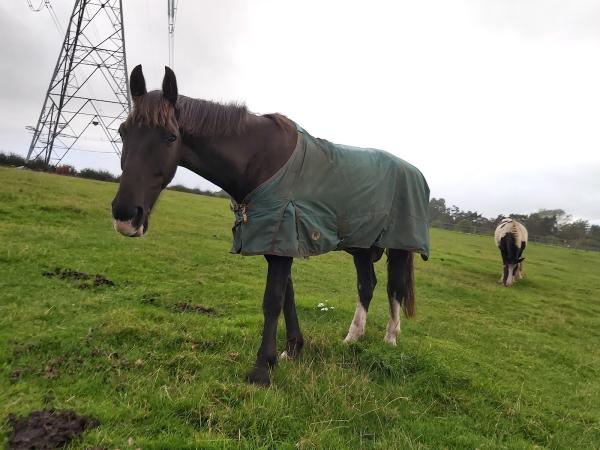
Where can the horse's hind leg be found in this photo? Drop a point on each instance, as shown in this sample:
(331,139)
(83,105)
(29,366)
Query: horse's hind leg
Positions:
(400,291)
(366,281)
(277,282)
(295,341)
(520,275)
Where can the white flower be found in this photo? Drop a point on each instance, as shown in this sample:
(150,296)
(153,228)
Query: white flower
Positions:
(320,305)
(324,309)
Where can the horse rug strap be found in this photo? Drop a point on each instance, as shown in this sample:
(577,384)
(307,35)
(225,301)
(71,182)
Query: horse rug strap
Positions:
(330,197)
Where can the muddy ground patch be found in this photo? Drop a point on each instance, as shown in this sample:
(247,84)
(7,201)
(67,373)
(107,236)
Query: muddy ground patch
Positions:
(82,280)
(180,306)
(47,429)
(190,308)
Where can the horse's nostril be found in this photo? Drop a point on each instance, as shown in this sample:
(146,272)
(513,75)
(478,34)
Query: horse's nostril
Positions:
(138,217)
(125,212)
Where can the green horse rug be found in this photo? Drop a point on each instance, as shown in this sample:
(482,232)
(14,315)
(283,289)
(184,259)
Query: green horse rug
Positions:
(332,197)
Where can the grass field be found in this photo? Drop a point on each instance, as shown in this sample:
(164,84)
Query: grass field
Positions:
(482,366)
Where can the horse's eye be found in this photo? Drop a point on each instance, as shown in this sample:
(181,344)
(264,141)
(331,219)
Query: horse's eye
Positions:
(169,137)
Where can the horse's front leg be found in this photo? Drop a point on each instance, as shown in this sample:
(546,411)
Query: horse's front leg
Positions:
(277,280)
(520,274)
(295,341)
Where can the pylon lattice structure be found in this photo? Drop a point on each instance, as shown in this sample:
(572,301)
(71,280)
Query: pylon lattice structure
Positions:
(88,94)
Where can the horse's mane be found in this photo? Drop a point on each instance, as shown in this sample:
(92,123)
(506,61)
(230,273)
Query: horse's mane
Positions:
(206,118)
(200,118)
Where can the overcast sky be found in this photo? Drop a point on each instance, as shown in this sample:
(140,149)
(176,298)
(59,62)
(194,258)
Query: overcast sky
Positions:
(496,101)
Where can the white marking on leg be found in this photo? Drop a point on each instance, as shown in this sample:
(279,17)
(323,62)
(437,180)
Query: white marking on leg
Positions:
(520,274)
(357,327)
(510,279)
(393,326)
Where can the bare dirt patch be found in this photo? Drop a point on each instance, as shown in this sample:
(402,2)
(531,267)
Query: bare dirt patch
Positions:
(84,280)
(47,429)
(15,375)
(51,369)
(199,309)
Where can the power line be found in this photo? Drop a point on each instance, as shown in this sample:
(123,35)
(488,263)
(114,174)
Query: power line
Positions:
(39,8)
(54,17)
(48,5)
(172,6)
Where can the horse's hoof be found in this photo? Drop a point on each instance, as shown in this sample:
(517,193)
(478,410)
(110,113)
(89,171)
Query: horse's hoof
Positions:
(353,336)
(259,376)
(390,340)
(289,354)
(292,351)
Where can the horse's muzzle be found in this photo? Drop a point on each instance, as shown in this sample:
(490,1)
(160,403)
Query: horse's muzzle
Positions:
(126,228)
(132,224)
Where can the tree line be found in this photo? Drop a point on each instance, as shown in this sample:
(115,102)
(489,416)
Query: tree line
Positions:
(550,226)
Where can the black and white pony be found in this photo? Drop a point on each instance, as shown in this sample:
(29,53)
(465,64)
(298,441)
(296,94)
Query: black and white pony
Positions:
(511,239)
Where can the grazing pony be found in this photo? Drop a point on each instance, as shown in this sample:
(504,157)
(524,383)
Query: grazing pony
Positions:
(293,196)
(511,239)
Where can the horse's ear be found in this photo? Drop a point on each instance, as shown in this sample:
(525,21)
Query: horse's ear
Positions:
(137,84)
(169,86)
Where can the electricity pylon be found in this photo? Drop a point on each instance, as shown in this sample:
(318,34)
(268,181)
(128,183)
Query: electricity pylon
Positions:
(89,86)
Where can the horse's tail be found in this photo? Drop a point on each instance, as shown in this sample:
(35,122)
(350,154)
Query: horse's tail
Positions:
(401,280)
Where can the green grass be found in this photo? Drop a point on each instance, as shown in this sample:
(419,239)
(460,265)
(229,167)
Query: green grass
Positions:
(482,366)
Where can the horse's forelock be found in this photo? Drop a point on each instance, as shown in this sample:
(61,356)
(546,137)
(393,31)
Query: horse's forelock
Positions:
(153,110)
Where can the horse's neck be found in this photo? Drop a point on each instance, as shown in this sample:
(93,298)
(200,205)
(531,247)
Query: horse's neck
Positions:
(239,164)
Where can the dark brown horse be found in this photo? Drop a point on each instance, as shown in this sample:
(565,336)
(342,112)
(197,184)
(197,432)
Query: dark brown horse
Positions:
(239,152)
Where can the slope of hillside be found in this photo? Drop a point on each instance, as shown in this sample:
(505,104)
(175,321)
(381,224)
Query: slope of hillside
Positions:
(482,366)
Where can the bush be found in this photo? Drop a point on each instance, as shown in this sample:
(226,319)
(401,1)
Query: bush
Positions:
(93,174)
(65,169)
(39,165)
(181,188)
(221,194)
(11,160)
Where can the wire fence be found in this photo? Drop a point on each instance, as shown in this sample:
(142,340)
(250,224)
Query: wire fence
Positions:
(544,240)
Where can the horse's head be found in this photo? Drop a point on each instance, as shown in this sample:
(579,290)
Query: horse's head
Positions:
(151,152)
(511,271)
